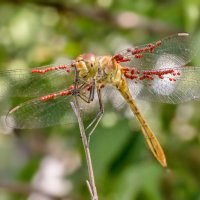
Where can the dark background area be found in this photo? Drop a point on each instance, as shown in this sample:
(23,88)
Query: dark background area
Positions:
(36,33)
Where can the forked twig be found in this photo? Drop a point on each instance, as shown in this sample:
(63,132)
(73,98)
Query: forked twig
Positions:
(91,183)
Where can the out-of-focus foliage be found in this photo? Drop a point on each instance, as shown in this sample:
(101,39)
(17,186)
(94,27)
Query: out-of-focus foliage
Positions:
(35,33)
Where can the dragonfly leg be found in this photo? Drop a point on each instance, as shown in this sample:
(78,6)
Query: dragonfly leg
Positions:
(89,98)
(92,91)
(98,117)
(82,87)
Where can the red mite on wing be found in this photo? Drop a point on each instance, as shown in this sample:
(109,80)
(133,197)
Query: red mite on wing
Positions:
(137,52)
(45,70)
(134,73)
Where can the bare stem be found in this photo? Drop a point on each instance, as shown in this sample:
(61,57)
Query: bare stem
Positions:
(91,183)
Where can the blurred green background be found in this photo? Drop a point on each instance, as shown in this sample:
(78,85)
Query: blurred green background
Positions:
(35,33)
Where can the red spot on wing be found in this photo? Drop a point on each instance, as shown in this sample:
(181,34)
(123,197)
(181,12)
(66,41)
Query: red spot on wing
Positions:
(137,52)
(53,68)
(61,93)
(134,73)
(48,97)
(138,55)
(120,58)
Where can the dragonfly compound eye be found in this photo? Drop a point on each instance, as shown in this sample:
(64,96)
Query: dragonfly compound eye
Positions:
(88,57)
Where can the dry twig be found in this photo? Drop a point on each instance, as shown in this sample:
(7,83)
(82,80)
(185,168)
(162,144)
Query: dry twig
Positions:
(91,183)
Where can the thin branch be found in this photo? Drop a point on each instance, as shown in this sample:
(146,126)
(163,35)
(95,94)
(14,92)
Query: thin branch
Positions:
(91,183)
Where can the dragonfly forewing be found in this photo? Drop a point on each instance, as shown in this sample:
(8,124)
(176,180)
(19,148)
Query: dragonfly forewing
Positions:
(35,82)
(182,46)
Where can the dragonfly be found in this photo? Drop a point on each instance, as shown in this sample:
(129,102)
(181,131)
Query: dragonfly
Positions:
(156,71)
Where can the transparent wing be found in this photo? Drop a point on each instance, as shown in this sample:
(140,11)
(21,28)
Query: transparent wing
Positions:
(181,46)
(25,83)
(112,95)
(167,81)
(37,113)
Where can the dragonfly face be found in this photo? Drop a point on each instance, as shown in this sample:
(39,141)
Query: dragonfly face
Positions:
(86,65)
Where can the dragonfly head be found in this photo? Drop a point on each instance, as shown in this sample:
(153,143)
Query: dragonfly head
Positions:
(86,64)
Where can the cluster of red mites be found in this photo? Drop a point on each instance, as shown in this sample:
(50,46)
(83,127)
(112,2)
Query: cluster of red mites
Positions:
(148,48)
(133,73)
(130,73)
(61,93)
(43,71)
(119,58)
(138,55)
(137,52)
(65,92)
(47,97)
